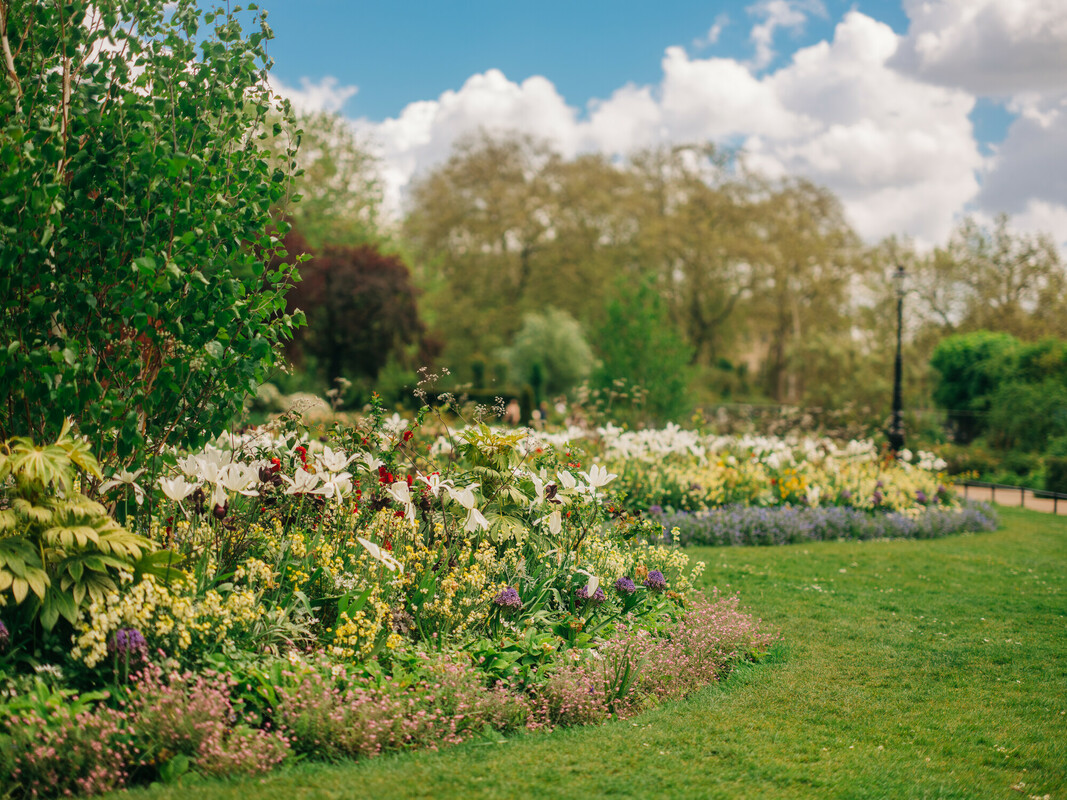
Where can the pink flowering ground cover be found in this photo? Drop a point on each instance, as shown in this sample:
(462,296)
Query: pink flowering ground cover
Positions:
(163,724)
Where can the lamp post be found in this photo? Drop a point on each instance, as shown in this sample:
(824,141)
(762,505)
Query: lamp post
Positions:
(896,427)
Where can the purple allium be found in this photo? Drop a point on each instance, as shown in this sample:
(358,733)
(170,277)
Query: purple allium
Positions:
(655,509)
(509,598)
(127,643)
(625,585)
(877,497)
(846,494)
(5,636)
(920,497)
(655,581)
(597,597)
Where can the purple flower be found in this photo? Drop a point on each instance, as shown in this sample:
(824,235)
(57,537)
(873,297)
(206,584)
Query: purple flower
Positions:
(877,497)
(655,509)
(597,597)
(5,636)
(625,585)
(509,598)
(846,494)
(128,643)
(655,581)
(920,497)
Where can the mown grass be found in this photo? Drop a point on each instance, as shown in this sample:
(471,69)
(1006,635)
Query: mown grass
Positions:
(906,669)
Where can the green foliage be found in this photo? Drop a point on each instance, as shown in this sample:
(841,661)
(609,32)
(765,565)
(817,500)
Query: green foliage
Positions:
(549,353)
(1027,415)
(638,344)
(336,182)
(1013,391)
(971,366)
(59,550)
(135,188)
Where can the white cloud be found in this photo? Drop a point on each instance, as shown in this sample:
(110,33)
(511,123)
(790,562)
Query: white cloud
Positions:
(897,149)
(326,95)
(990,47)
(714,32)
(1039,215)
(1031,163)
(788,14)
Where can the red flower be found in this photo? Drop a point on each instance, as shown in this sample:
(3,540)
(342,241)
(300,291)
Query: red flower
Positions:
(408,435)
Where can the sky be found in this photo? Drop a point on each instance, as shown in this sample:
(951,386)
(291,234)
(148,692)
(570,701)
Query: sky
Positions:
(914,112)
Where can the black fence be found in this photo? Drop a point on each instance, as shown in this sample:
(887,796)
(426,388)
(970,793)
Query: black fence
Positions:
(1007,491)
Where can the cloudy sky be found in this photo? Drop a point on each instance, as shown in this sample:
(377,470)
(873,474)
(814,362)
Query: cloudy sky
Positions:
(914,112)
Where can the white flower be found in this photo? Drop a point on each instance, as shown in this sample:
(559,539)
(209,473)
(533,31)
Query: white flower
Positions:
(381,555)
(567,480)
(464,495)
(372,462)
(127,478)
(539,489)
(237,478)
(177,489)
(401,492)
(435,482)
(304,482)
(337,486)
(475,520)
(555,522)
(334,460)
(592,585)
(598,476)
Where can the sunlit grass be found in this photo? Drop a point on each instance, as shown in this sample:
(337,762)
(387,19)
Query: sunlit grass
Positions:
(906,669)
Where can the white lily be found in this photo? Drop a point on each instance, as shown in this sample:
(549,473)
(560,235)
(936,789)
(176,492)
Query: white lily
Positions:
(567,480)
(436,483)
(539,489)
(401,492)
(475,520)
(237,478)
(337,486)
(371,462)
(302,482)
(381,555)
(463,495)
(127,478)
(555,522)
(592,585)
(177,489)
(333,460)
(190,466)
(598,476)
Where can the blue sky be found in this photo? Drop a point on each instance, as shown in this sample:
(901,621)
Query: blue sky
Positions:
(915,112)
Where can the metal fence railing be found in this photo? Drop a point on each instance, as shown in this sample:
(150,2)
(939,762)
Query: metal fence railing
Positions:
(1039,498)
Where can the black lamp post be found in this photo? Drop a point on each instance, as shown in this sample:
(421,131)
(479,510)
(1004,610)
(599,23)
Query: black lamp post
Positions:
(896,427)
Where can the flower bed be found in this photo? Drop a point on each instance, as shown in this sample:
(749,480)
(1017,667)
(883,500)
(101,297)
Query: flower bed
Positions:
(746,525)
(276,596)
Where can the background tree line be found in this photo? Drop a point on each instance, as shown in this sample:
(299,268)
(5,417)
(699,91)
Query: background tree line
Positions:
(676,270)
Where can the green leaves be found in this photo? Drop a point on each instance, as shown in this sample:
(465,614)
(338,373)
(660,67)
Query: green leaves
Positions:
(59,549)
(118,268)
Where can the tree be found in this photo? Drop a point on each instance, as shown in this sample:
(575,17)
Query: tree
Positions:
(549,354)
(336,181)
(135,189)
(361,310)
(971,367)
(802,279)
(638,345)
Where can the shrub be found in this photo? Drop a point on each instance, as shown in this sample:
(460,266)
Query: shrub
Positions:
(1056,474)
(193,716)
(135,202)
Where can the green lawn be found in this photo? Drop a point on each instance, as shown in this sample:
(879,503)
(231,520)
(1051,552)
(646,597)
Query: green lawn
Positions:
(907,669)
